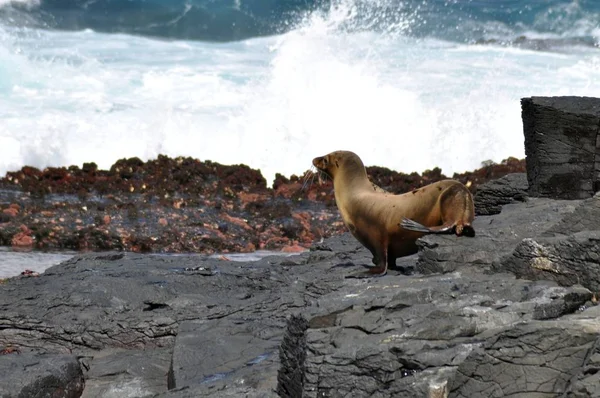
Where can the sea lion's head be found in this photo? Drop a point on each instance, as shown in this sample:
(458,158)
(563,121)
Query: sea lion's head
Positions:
(337,162)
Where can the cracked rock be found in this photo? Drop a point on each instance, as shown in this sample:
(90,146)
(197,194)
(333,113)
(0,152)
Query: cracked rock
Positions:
(533,359)
(451,319)
(35,375)
(491,196)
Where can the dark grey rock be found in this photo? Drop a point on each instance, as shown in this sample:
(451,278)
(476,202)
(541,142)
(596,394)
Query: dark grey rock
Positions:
(567,260)
(491,196)
(406,337)
(35,375)
(222,391)
(584,217)
(562,146)
(188,326)
(238,350)
(586,383)
(496,236)
(535,359)
(127,373)
(292,356)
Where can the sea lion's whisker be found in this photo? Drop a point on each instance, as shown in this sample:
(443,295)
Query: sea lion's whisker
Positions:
(309,174)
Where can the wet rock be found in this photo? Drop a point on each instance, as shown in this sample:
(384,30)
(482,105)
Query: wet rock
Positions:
(248,356)
(10,212)
(127,373)
(30,374)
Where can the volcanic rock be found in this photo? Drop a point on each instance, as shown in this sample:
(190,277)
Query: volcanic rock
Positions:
(291,326)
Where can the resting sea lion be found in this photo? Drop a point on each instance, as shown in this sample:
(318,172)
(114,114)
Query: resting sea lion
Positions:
(387,224)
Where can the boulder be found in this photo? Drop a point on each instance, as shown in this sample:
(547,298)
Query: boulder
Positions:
(490,197)
(562,145)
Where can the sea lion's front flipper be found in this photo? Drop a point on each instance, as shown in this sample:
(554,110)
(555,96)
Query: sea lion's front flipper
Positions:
(415,226)
(371,273)
(380,269)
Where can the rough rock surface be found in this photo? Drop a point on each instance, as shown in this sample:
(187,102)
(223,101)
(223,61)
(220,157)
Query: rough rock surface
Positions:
(490,197)
(562,145)
(448,321)
(568,252)
(566,260)
(532,359)
(38,375)
(496,236)
(118,373)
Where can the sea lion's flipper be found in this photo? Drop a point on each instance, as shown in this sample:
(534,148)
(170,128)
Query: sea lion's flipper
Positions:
(415,226)
(381,264)
(371,273)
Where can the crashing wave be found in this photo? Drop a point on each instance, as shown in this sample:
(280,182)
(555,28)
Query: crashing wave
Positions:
(500,21)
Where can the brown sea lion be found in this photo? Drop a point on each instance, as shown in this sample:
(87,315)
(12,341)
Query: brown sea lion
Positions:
(387,224)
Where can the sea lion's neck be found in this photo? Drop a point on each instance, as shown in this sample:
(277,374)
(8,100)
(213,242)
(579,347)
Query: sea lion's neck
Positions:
(348,186)
(351,180)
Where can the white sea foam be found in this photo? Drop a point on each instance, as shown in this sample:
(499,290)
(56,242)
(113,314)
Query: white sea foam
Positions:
(273,103)
(30,3)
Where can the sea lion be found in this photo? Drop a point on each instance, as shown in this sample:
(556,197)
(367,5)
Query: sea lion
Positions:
(388,224)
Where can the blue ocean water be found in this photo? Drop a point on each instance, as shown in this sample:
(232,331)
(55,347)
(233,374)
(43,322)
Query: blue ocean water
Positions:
(273,83)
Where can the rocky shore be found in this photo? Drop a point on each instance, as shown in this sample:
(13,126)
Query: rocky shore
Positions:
(511,312)
(184,205)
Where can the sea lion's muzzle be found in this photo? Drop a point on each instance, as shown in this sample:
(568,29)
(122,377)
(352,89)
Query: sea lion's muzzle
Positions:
(321,163)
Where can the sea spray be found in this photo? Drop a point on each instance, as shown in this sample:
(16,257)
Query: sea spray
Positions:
(407,85)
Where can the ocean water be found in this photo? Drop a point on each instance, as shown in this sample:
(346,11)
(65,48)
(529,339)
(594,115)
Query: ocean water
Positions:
(12,263)
(408,85)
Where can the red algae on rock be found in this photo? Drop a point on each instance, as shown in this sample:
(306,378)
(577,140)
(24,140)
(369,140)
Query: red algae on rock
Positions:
(181,204)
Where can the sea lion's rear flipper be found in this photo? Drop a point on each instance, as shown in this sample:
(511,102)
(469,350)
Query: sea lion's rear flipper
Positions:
(415,226)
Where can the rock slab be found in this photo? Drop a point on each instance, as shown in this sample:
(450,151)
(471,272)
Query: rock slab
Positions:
(562,145)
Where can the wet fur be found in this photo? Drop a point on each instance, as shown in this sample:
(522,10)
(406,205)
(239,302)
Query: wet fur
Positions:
(387,224)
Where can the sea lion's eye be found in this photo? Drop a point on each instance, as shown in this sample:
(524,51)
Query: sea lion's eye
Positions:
(325,162)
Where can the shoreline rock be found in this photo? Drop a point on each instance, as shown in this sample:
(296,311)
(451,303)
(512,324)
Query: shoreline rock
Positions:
(184,205)
(147,325)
